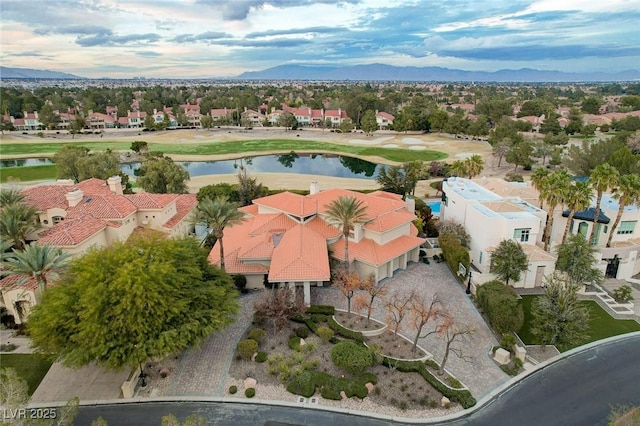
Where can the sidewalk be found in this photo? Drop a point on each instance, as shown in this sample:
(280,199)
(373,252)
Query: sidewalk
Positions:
(23,343)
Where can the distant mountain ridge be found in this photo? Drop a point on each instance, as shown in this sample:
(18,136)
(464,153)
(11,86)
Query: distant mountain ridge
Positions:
(381,72)
(28,73)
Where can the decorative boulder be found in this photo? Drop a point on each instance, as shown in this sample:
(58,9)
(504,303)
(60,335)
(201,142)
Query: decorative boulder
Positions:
(343,395)
(369,387)
(445,402)
(250,383)
(502,356)
(253,357)
(302,342)
(164,372)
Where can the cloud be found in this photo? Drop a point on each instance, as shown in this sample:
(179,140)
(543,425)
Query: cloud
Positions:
(146,53)
(28,54)
(73,29)
(207,36)
(238,10)
(109,39)
(165,24)
(297,31)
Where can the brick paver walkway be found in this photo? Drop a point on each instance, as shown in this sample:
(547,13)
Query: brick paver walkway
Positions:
(480,374)
(203,371)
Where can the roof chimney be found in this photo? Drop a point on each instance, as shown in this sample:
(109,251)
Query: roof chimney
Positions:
(74,197)
(411,204)
(115,184)
(314,188)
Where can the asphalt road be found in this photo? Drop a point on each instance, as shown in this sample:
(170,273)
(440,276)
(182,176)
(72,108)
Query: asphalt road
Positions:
(578,390)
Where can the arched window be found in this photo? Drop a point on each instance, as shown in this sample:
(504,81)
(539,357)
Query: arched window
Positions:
(583,228)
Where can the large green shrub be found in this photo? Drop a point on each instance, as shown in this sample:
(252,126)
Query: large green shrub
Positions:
(306,384)
(250,393)
(302,332)
(261,357)
(294,343)
(246,348)
(454,253)
(256,334)
(500,303)
(351,357)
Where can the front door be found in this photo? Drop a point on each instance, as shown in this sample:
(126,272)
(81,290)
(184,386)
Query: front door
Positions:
(612,267)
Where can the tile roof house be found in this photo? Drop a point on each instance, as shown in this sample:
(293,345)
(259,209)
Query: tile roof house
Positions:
(286,239)
(93,213)
(384,120)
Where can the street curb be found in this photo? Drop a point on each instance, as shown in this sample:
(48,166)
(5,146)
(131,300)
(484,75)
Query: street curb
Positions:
(484,402)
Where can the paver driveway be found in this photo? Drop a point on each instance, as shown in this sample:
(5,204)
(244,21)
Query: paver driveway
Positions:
(202,371)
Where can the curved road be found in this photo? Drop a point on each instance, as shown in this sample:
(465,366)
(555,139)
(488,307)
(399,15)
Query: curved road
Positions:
(579,389)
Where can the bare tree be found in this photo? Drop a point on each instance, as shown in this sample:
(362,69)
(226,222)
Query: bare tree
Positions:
(453,334)
(373,290)
(398,308)
(422,311)
(348,282)
(280,305)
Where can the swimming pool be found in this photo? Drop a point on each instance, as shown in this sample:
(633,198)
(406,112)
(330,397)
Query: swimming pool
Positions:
(435,207)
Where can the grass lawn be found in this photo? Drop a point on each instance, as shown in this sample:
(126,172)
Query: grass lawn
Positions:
(601,324)
(26,174)
(236,147)
(31,367)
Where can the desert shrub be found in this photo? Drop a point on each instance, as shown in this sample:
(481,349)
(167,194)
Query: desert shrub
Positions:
(508,342)
(294,343)
(261,357)
(623,294)
(250,393)
(233,389)
(463,396)
(306,383)
(513,177)
(325,333)
(308,347)
(403,405)
(256,334)
(321,309)
(351,357)
(302,332)
(246,348)
(500,303)
(512,368)
(8,347)
(349,334)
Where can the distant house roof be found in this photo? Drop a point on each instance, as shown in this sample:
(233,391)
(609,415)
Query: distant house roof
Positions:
(588,215)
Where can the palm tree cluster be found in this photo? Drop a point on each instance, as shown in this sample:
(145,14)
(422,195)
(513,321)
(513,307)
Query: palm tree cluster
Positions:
(17,221)
(557,189)
(470,167)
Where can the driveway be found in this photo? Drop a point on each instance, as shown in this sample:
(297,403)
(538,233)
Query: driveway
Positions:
(479,373)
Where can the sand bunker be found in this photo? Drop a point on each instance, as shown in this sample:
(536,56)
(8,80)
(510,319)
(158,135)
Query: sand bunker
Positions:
(375,141)
(435,143)
(417,147)
(466,154)
(412,141)
(390,145)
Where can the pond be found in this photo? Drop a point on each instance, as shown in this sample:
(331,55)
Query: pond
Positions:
(25,162)
(313,164)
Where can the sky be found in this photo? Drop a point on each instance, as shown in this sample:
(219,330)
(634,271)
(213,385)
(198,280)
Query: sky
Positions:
(223,38)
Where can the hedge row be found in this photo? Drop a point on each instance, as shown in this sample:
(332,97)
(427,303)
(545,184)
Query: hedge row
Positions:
(330,386)
(463,396)
(500,303)
(454,253)
(349,334)
(309,323)
(321,309)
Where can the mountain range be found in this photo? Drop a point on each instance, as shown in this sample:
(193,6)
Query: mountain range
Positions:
(378,72)
(381,72)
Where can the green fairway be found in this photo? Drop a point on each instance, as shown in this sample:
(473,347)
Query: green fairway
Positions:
(31,367)
(27,174)
(236,147)
(601,324)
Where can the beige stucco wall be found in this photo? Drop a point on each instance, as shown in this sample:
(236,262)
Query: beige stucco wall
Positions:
(99,239)
(384,237)
(254,281)
(11,296)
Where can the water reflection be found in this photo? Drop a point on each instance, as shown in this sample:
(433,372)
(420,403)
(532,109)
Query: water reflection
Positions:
(314,164)
(25,162)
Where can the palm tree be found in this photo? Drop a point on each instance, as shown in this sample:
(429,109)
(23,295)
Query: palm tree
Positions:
(578,198)
(603,177)
(40,262)
(538,180)
(627,193)
(344,213)
(217,214)
(17,221)
(557,184)
(10,196)
(474,165)
(458,168)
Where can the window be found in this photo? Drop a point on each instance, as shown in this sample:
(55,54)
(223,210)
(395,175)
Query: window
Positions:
(57,219)
(521,234)
(627,227)
(480,262)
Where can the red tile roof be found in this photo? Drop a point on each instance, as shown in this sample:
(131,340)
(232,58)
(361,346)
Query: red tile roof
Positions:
(144,200)
(103,207)
(390,220)
(185,204)
(301,255)
(73,231)
(372,253)
(11,282)
(294,204)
